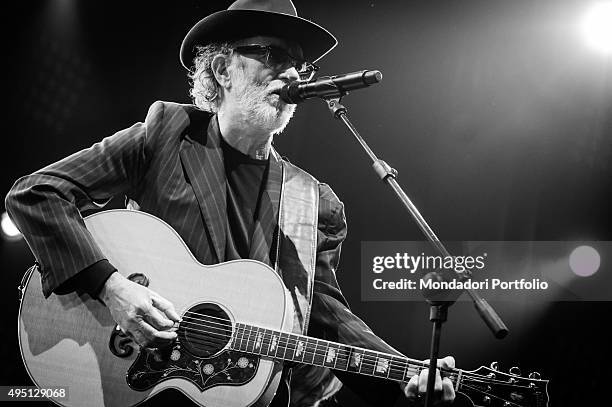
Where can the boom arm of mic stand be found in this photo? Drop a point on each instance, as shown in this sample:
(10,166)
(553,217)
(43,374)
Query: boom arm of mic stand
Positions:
(388,174)
(438,311)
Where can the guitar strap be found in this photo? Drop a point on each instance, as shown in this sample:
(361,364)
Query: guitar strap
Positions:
(297,239)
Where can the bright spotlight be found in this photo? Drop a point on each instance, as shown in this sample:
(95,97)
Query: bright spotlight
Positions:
(597,27)
(9,230)
(584,261)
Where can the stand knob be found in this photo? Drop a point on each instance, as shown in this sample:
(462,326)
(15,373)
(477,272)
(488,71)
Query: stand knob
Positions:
(514,370)
(486,400)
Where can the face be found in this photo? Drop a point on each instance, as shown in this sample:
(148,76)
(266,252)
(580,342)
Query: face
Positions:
(254,83)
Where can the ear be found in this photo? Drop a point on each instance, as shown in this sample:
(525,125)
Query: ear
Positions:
(219,65)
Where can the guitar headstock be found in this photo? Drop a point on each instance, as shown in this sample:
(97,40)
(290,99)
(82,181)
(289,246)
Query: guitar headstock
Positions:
(487,386)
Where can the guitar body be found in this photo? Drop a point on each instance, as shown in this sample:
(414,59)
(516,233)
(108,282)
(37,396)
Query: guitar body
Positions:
(71,341)
(234,335)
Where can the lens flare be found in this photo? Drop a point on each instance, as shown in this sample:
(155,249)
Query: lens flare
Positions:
(597,27)
(584,261)
(9,230)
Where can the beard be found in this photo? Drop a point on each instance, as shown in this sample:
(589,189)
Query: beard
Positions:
(261,108)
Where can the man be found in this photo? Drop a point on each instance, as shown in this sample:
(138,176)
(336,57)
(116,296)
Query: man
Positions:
(211,173)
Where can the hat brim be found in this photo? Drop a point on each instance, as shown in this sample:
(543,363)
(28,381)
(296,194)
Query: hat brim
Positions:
(230,25)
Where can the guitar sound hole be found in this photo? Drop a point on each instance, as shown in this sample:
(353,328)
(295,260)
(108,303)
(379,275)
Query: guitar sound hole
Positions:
(205,330)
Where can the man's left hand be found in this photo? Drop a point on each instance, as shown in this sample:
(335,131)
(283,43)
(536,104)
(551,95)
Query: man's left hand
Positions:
(444,392)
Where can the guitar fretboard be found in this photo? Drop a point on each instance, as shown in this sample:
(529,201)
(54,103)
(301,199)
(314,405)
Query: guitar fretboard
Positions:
(318,352)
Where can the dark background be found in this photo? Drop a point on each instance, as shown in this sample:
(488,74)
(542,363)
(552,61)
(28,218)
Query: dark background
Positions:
(495,113)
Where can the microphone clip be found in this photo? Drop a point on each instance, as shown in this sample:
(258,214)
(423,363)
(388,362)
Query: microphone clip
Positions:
(335,107)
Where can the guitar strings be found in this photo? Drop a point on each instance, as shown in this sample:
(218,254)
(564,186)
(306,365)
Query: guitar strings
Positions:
(225,328)
(368,360)
(288,340)
(282,343)
(365,359)
(372,362)
(403,371)
(264,336)
(244,328)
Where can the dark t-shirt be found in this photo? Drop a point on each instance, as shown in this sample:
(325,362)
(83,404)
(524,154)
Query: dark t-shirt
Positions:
(245,184)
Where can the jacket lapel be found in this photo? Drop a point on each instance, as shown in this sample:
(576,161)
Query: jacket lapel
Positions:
(204,166)
(266,221)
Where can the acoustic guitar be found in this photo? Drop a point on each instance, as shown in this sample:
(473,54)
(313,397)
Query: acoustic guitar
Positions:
(234,336)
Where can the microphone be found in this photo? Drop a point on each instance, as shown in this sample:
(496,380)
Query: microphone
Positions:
(327,87)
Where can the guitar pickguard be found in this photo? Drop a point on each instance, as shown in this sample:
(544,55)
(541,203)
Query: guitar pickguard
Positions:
(226,368)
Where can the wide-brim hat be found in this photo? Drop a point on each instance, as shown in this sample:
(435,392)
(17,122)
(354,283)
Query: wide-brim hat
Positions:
(249,18)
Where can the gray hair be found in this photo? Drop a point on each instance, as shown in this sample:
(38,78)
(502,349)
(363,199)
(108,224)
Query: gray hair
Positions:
(204,87)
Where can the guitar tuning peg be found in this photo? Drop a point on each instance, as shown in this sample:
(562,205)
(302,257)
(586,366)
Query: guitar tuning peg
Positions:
(495,365)
(514,370)
(534,375)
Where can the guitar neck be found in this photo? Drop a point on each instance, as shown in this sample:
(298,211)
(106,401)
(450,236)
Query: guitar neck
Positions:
(318,352)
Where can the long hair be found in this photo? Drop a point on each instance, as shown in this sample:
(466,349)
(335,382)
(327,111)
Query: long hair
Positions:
(204,89)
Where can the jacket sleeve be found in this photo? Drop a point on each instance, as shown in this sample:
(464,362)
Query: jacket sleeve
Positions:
(331,317)
(46,205)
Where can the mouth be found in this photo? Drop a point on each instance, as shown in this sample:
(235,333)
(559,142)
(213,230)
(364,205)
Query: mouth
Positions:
(274,94)
(274,97)
(275,101)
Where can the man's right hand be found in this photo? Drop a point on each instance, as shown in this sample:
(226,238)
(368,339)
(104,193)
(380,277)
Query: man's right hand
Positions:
(141,313)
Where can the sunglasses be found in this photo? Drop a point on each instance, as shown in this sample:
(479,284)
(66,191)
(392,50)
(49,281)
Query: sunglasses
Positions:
(279,59)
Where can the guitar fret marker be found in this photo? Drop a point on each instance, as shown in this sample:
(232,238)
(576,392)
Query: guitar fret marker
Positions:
(299,349)
(268,339)
(273,343)
(382,365)
(258,340)
(331,355)
(280,343)
(356,359)
(411,371)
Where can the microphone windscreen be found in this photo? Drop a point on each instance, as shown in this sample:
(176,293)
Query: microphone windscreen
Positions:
(371,77)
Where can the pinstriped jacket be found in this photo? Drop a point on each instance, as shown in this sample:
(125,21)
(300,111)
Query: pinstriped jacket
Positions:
(172,167)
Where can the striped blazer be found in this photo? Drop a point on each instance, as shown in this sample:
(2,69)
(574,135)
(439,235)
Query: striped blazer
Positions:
(171,165)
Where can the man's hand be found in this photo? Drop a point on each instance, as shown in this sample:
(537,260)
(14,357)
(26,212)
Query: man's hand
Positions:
(141,313)
(444,391)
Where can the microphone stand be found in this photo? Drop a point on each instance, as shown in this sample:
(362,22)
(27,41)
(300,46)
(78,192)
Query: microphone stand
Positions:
(438,311)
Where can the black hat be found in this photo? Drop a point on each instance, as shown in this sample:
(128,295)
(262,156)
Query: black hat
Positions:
(249,18)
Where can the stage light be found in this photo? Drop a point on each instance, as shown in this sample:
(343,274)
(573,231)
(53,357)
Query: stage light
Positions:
(584,261)
(597,27)
(9,230)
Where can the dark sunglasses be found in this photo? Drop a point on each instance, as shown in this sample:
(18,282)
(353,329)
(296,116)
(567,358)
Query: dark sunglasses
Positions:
(278,59)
